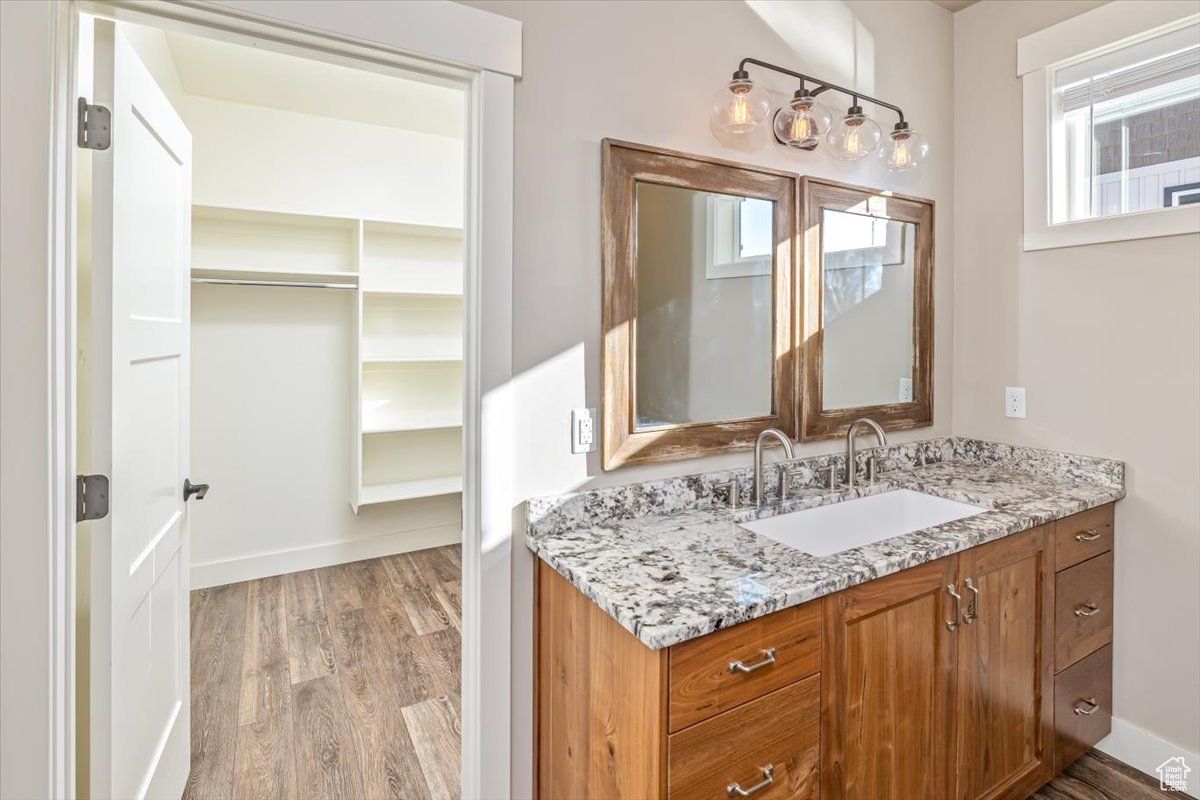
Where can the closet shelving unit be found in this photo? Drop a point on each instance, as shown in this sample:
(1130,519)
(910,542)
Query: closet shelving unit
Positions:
(410,354)
(408,347)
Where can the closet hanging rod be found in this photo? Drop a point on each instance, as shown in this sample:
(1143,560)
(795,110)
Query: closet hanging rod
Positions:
(292,284)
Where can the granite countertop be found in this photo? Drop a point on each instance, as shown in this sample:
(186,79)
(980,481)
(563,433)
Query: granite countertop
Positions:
(670,561)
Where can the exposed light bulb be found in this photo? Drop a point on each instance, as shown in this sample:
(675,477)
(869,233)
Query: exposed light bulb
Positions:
(802,122)
(904,150)
(852,143)
(854,135)
(739,106)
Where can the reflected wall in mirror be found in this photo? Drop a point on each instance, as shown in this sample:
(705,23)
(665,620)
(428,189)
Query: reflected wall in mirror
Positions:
(698,270)
(868,315)
(703,275)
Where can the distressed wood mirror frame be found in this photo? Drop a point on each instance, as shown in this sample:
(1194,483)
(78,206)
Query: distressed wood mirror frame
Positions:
(818,422)
(625,165)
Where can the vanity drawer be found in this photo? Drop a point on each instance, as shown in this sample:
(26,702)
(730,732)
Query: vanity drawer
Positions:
(1082,536)
(1083,604)
(1082,706)
(772,742)
(772,651)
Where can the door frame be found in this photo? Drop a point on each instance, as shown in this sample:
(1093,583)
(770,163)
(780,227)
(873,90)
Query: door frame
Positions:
(482,52)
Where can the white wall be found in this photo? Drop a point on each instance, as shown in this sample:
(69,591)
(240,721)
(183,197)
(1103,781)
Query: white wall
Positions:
(647,72)
(27,659)
(1106,340)
(269,159)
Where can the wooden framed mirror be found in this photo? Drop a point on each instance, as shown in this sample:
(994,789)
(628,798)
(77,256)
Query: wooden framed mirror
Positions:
(698,317)
(867,316)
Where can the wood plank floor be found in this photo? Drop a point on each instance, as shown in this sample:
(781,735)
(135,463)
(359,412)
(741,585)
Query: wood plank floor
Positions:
(342,682)
(1097,776)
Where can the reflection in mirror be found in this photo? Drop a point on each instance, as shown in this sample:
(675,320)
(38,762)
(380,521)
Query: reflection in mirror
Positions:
(868,283)
(703,270)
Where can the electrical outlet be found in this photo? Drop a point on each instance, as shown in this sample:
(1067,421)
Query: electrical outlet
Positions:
(1014,402)
(583,430)
(906,390)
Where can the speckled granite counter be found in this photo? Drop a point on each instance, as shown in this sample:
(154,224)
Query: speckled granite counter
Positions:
(669,560)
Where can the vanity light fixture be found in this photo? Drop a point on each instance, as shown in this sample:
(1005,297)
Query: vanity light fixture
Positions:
(741,105)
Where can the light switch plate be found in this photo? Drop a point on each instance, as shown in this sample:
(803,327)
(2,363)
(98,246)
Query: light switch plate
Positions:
(1014,402)
(906,390)
(583,430)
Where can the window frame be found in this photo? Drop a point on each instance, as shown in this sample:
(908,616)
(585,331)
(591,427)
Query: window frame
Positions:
(1107,28)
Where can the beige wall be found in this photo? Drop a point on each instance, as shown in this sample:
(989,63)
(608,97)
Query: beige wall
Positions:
(647,72)
(1106,341)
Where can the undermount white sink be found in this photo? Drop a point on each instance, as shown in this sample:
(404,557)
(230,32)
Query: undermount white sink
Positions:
(830,529)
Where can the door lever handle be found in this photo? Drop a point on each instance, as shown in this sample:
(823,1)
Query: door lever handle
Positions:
(198,489)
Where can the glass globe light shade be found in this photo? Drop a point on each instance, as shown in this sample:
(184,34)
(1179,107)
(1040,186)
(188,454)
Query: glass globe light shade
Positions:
(802,122)
(854,136)
(740,106)
(905,149)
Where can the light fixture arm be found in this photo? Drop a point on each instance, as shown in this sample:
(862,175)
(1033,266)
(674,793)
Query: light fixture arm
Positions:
(822,86)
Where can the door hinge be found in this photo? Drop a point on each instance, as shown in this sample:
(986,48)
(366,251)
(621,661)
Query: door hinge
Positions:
(91,497)
(95,126)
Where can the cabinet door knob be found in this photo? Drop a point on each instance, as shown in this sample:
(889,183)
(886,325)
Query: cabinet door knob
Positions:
(952,624)
(1087,536)
(735,789)
(1085,708)
(1087,610)
(741,666)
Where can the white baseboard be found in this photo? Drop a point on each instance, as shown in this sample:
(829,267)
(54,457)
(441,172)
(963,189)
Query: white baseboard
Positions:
(217,573)
(1144,752)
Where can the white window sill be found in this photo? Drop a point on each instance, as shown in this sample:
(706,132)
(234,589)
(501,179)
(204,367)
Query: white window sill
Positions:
(1176,221)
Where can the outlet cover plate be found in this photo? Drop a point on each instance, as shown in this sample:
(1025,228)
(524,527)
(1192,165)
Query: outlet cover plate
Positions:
(583,430)
(1014,402)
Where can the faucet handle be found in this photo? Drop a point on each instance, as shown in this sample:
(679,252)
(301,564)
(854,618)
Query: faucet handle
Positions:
(872,468)
(832,469)
(734,486)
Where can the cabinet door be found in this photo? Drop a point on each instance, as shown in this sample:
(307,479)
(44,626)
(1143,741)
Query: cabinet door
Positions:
(889,687)
(1005,670)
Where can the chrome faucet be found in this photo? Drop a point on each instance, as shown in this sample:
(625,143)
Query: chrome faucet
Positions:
(758,456)
(880,438)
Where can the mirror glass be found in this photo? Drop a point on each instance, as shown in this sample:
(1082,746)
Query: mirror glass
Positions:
(703,270)
(867,347)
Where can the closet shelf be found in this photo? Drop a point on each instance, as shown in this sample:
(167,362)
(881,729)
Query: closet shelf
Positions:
(228,273)
(423,422)
(383,362)
(409,490)
(413,293)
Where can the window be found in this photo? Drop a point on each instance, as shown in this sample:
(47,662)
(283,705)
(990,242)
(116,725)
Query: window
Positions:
(740,233)
(1125,128)
(1111,119)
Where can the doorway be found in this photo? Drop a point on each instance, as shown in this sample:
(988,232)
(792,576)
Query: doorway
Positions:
(326,346)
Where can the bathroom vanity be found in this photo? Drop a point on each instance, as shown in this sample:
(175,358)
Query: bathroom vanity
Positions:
(680,654)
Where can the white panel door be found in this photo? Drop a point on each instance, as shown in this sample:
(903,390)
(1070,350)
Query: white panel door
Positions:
(141,297)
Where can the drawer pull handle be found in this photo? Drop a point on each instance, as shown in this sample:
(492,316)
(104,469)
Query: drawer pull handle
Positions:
(1089,610)
(1087,536)
(735,789)
(741,666)
(952,624)
(972,613)
(1085,708)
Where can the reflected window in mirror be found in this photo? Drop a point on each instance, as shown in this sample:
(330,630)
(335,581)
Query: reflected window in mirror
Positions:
(698,328)
(867,328)
(869,266)
(704,317)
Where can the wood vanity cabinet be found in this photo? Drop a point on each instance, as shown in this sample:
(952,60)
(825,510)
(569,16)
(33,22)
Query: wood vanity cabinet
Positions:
(889,689)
